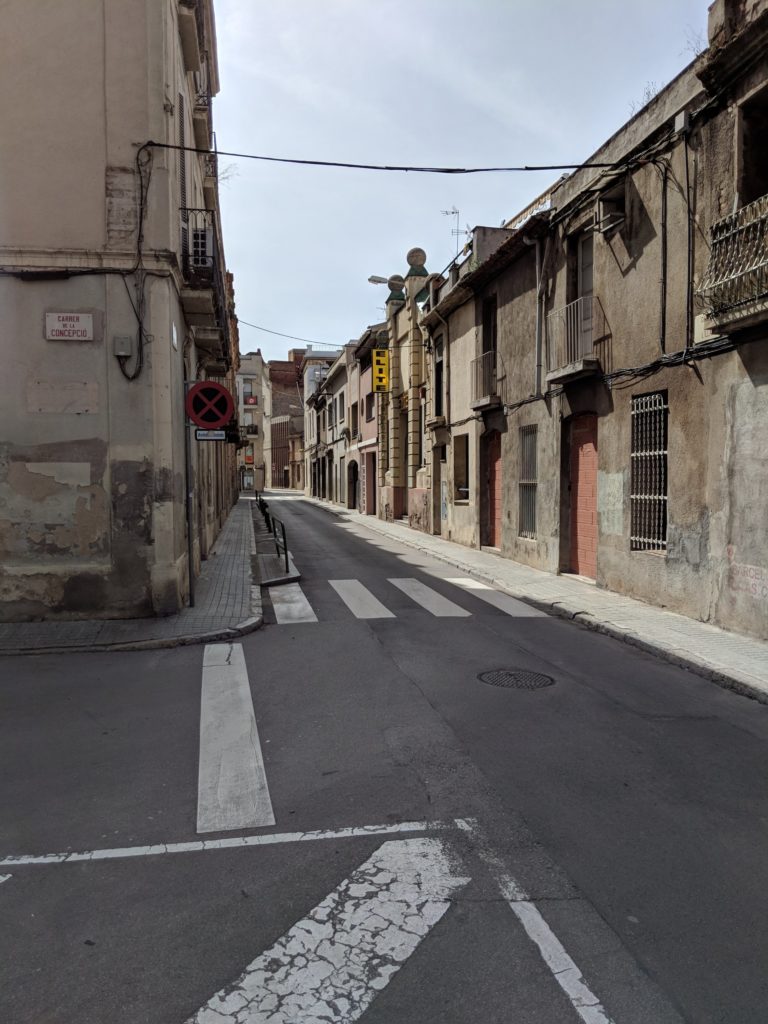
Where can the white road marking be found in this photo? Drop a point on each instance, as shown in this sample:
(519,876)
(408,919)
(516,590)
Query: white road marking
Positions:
(331,965)
(553,953)
(505,603)
(232,843)
(360,600)
(290,604)
(232,789)
(430,599)
(4,878)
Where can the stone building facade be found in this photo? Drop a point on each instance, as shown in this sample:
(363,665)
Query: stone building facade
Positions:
(250,403)
(585,390)
(616,346)
(114,295)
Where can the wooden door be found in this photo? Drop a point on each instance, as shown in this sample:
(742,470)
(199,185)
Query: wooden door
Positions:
(493,506)
(583,479)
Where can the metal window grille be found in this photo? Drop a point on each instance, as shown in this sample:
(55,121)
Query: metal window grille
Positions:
(738,261)
(528,481)
(649,481)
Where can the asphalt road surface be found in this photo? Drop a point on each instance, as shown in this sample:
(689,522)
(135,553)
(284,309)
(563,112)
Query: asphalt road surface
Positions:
(338,820)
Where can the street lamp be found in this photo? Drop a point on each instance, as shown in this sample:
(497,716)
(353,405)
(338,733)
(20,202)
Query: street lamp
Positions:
(375,279)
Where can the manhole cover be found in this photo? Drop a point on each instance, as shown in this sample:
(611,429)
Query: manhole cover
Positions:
(516,679)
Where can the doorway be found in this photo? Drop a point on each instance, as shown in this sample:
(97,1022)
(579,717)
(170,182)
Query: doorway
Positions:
(583,501)
(491,493)
(352,485)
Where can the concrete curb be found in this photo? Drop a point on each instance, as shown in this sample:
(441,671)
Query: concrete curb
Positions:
(243,628)
(736,682)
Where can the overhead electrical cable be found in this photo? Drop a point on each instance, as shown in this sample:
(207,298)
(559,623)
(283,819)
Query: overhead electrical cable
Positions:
(292,337)
(377,167)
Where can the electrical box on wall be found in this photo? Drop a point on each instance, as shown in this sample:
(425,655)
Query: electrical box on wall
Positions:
(123,346)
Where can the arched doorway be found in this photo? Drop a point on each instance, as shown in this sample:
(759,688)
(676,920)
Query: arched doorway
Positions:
(353,485)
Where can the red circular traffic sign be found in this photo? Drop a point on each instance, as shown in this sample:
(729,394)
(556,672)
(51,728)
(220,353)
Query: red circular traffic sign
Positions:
(209,404)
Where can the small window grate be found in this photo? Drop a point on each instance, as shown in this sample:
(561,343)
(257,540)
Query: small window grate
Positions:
(528,482)
(648,489)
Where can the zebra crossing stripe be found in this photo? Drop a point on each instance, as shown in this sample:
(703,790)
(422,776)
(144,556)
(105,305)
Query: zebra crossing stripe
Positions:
(505,603)
(291,605)
(360,600)
(331,965)
(429,599)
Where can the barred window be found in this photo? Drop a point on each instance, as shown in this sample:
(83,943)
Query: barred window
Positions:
(528,481)
(648,458)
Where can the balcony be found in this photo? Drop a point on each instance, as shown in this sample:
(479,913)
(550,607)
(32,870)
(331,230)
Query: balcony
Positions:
(201,114)
(190,18)
(735,286)
(574,335)
(210,176)
(485,388)
(203,295)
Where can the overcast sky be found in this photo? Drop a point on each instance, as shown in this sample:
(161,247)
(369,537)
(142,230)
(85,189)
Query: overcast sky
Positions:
(426,82)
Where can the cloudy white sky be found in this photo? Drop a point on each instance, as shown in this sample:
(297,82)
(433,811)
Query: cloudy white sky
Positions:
(425,82)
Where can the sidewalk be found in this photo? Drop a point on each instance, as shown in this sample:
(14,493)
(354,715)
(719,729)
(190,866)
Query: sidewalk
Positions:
(226,606)
(736,662)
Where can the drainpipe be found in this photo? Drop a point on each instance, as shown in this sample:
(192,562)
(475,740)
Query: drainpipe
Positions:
(663,272)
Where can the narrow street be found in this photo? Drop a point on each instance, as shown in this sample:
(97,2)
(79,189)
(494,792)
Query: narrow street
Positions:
(579,837)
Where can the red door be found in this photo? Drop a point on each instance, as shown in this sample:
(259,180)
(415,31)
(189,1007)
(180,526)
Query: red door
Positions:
(584,495)
(493,462)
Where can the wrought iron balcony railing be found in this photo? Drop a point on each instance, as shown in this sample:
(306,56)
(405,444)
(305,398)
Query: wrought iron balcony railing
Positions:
(578,339)
(738,263)
(570,332)
(484,377)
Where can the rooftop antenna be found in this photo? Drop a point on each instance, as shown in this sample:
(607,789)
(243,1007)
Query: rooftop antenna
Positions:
(453,212)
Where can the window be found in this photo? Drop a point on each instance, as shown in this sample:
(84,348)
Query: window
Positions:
(648,460)
(438,397)
(753,179)
(340,406)
(612,208)
(461,467)
(489,325)
(528,479)
(202,248)
(370,407)
(247,387)
(353,418)
(420,453)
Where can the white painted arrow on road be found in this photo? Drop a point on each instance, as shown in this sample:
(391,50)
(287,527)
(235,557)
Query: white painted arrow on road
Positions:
(331,965)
